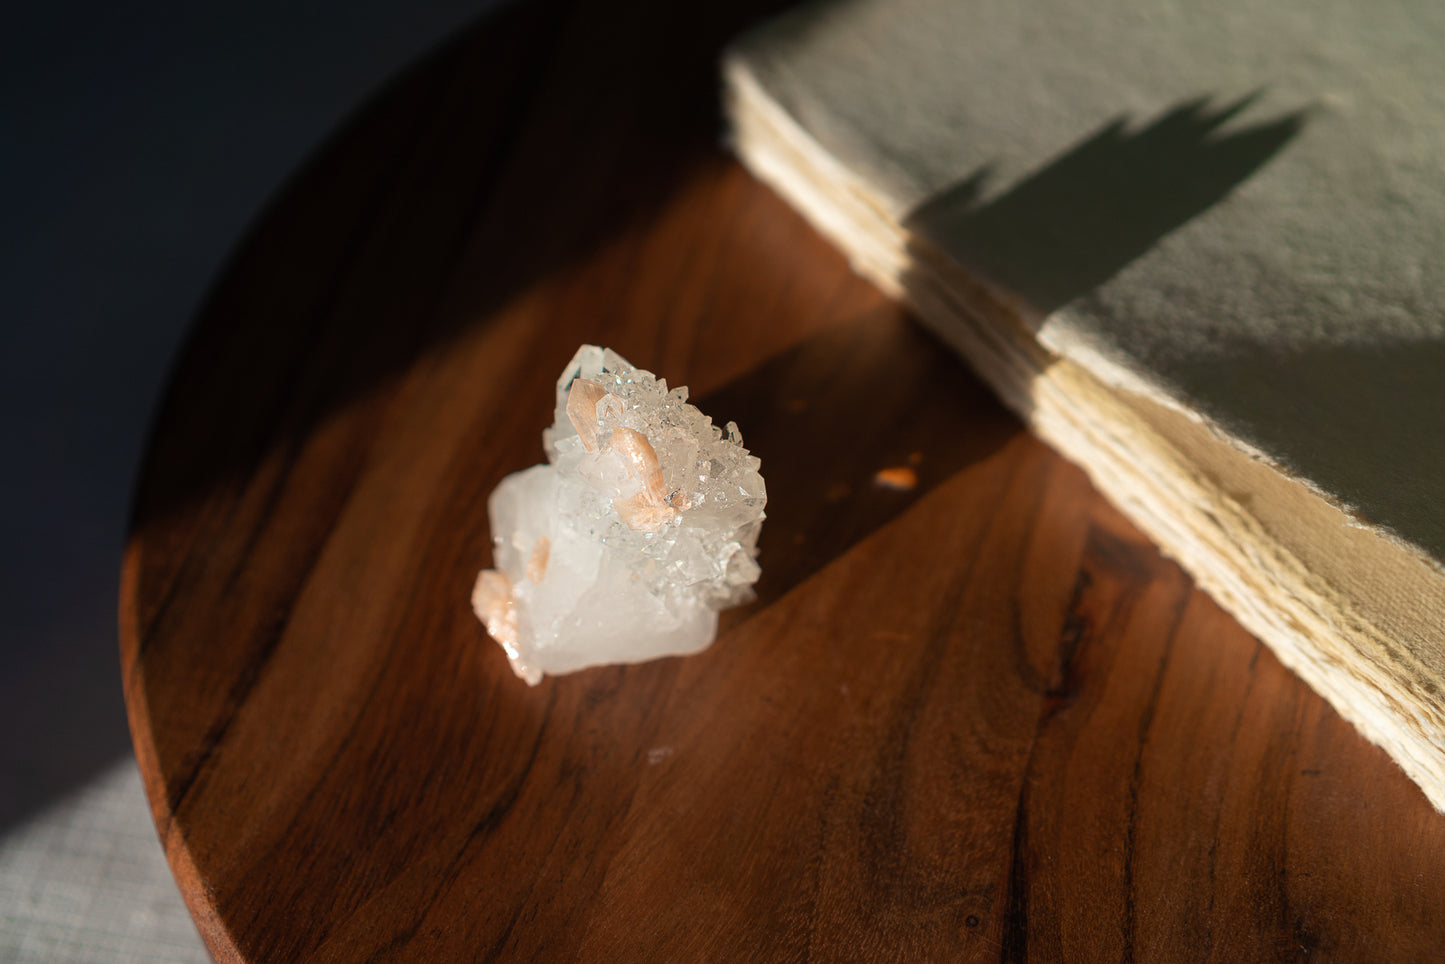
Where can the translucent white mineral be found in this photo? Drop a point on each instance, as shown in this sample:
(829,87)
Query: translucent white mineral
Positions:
(643,524)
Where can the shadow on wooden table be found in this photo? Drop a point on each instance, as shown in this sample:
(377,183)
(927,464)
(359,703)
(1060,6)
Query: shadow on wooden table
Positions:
(525,143)
(874,395)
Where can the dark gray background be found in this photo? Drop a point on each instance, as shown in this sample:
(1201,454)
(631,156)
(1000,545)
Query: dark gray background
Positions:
(137,141)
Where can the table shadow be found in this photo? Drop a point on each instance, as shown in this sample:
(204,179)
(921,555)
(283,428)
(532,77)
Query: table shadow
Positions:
(445,158)
(873,395)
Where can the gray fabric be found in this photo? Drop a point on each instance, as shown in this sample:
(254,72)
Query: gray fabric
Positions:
(1235,206)
(85,880)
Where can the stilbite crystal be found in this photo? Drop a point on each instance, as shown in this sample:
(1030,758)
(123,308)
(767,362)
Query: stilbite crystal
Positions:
(623,547)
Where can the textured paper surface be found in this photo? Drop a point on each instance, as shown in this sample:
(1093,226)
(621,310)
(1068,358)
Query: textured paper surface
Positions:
(1237,209)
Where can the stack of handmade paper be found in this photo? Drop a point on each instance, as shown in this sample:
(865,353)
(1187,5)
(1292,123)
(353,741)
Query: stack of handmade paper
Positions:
(1200,248)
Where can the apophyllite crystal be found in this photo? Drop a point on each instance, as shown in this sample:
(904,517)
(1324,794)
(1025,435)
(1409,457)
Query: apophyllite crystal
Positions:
(624,546)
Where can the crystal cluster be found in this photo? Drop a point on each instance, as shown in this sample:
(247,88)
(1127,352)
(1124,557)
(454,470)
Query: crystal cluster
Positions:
(624,546)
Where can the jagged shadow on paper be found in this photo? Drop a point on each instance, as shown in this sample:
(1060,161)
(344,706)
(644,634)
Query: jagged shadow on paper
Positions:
(1075,223)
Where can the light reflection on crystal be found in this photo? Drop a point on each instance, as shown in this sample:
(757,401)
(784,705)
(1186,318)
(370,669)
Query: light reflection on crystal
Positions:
(643,524)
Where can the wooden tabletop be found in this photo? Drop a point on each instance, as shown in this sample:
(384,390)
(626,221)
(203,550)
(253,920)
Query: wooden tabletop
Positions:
(978,720)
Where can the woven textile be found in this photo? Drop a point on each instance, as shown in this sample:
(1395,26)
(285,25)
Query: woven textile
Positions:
(86,880)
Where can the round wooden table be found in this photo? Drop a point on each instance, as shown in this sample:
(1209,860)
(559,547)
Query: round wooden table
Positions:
(981,719)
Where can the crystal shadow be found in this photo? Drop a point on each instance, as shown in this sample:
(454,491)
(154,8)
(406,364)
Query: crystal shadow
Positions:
(828,415)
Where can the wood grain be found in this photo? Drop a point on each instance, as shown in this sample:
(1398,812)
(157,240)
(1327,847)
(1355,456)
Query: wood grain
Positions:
(982,719)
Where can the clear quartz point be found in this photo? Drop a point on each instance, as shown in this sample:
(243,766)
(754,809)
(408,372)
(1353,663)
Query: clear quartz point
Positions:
(624,546)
